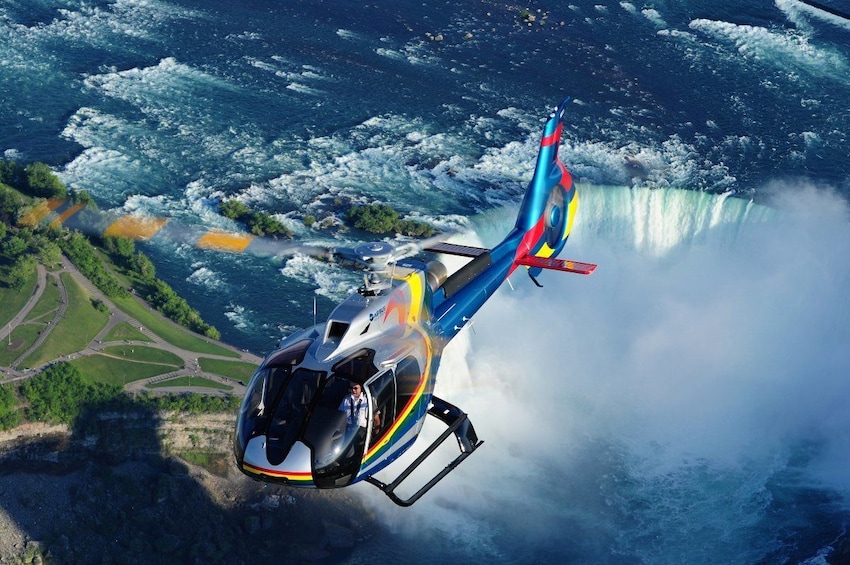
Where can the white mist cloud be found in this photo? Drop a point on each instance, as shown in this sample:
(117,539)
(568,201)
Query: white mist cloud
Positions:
(646,411)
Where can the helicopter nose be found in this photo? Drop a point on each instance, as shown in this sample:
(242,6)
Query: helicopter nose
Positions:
(295,469)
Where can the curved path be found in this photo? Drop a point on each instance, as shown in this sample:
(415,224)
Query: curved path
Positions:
(41,273)
(190,367)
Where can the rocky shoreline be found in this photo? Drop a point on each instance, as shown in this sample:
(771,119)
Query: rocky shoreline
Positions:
(121,491)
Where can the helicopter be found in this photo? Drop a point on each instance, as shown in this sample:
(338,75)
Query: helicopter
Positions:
(386,339)
(383,344)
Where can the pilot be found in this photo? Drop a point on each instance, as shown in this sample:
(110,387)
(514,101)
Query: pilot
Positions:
(356,407)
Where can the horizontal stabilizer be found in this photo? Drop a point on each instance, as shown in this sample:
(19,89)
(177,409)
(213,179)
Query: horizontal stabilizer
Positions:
(556,264)
(456,249)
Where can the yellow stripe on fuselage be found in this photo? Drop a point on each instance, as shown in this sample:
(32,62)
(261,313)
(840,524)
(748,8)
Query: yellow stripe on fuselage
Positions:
(408,409)
(414,282)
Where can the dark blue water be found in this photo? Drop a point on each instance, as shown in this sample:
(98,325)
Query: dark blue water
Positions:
(167,107)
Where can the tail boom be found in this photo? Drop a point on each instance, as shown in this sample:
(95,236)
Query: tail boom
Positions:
(543,224)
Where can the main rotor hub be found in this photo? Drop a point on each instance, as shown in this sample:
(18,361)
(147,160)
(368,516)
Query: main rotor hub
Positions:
(375,254)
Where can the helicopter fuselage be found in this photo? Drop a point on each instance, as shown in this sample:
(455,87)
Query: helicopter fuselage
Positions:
(292,428)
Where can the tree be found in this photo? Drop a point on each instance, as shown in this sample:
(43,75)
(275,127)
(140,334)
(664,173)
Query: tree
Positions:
(42,182)
(58,394)
(120,248)
(374,218)
(263,224)
(9,414)
(10,204)
(21,271)
(234,209)
(48,252)
(15,246)
(84,198)
(142,266)
(11,173)
(81,253)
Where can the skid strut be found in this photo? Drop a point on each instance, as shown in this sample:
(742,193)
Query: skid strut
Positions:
(458,424)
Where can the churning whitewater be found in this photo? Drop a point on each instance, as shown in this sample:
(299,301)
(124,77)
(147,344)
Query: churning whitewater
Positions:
(682,405)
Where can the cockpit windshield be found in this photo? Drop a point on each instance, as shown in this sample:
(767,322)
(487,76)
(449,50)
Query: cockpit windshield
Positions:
(264,390)
(332,415)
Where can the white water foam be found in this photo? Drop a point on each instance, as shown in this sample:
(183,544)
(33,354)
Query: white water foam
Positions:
(206,277)
(658,406)
(787,49)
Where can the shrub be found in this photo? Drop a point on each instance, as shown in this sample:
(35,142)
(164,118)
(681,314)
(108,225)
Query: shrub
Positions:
(42,182)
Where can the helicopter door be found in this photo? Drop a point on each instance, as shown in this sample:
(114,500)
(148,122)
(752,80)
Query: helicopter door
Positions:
(382,389)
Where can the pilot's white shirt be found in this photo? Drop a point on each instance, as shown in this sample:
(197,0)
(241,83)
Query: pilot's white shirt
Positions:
(356,410)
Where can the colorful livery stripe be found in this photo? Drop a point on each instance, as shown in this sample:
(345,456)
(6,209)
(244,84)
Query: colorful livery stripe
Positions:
(409,415)
(297,479)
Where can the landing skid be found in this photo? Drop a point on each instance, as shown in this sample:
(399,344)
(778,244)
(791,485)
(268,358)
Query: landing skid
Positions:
(458,424)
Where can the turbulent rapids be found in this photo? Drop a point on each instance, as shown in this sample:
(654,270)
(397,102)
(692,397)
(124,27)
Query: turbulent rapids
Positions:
(688,407)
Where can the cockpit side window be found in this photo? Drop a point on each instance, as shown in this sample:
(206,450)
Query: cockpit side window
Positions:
(337,446)
(260,400)
(408,377)
(382,391)
(357,367)
(292,355)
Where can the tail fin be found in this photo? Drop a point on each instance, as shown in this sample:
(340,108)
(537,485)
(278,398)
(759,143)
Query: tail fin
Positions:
(549,207)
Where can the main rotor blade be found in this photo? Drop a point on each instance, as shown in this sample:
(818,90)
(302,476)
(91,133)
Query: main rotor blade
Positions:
(62,212)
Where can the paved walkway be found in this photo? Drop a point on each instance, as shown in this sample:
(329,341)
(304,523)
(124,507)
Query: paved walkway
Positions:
(96,346)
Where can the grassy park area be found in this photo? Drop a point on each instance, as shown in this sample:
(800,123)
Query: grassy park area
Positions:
(125,332)
(170,332)
(12,300)
(81,322)
(238,370)
(189,381)
(90,314)
(111,370)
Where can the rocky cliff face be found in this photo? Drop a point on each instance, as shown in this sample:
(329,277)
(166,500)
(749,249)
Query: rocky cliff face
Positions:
(157,488)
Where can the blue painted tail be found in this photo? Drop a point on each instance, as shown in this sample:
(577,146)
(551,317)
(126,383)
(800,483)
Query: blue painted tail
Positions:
(549,206)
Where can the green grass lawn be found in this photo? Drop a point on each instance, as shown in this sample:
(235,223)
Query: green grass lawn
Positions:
(12,301)
(125,332)
(144,354)
(236,370)
(50,300)
(36,321)
(81,322)
(21,339)
(190,381)
(168,331)
(100,368)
